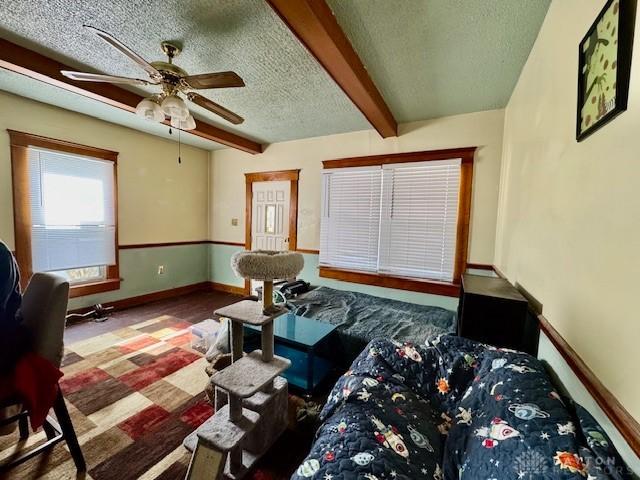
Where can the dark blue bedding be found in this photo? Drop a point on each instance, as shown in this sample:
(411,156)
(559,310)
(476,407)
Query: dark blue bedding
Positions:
(452,409)
(360,318)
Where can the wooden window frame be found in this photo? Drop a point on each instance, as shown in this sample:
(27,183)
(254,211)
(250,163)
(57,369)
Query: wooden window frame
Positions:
(293,176)
(435,287)
(20,143)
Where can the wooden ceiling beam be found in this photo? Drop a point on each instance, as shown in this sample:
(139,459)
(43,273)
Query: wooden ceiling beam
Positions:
(35,65)
(313,22)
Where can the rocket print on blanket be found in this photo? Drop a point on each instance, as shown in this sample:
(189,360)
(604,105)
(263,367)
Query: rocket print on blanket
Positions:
(389,437)
(498,431)
(409,351)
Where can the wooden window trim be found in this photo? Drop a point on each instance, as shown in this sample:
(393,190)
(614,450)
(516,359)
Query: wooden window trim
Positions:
(292,176)
(20,142)
(449,289)
(464,217)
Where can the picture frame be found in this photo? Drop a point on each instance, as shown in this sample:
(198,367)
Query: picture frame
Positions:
(604,67)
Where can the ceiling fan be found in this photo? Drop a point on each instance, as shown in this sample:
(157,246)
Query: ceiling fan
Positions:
(173,80)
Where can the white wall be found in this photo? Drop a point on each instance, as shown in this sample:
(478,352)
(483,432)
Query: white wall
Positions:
(569,214)
(482,129)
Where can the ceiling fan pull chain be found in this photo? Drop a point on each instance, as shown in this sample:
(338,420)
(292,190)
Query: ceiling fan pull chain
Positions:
(179,148)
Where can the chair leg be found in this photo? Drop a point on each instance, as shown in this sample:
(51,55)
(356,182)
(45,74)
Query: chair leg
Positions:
(49,429)
(62,414)
(23,427)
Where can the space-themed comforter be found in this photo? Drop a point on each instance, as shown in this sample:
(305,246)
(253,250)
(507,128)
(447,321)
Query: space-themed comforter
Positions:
(454,408)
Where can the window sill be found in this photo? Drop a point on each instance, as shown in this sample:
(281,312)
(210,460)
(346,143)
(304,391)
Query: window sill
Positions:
(389,281)
(94,287)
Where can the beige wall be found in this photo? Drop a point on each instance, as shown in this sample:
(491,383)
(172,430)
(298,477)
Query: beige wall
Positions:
(569,215)
(482,129)
(159,200)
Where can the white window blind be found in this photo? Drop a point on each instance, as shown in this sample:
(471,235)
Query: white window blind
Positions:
(72,211)
(350,223)
(419,219)
(398,219)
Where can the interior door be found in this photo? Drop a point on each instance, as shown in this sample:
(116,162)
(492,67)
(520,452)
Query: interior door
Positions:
(270,217)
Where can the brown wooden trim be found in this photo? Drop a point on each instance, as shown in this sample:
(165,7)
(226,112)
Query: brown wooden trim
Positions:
(306,250)
(223,287)
(150,297)
(273,176)
(34,65)
(465,153)
(389,281)
(20,143)
(480,266)
(164,244)
(313,22)
(624,422)
(232,244)
(94,287)
(23,139)
(21,212)
(464,219)
(279,175)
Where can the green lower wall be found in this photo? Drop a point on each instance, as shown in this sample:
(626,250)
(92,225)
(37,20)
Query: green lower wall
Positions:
(183,265)
(189,264)
(220,272)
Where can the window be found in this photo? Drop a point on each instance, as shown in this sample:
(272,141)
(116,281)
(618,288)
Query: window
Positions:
(66,215)
(402,217)
(350,225)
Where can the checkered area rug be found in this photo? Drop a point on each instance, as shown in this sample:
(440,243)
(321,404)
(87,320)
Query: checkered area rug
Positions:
(133,395)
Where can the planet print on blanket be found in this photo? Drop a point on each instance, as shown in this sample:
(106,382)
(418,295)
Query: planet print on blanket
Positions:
(527,411)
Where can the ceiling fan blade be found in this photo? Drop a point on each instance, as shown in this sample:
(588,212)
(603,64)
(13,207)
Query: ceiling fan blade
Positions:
(214,80)
(96,77)
(118,45)
(215,108)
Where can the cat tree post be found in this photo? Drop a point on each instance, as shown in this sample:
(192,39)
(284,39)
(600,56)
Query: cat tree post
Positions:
(226,445)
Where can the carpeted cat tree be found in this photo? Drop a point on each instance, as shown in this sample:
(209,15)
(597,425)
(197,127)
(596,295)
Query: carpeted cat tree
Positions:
(251,397)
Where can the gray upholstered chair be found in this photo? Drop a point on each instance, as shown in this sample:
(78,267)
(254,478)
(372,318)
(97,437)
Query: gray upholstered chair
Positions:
(44,308)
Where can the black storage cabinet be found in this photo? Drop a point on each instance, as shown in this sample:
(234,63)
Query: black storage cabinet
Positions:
(492,311)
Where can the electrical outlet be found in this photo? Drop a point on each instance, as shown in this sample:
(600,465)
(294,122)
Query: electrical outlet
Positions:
(160,269)
(234,222)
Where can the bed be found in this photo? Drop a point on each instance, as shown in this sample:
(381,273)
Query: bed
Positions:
(361,318)
(455,409)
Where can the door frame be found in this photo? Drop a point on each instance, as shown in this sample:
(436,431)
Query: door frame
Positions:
(280,175)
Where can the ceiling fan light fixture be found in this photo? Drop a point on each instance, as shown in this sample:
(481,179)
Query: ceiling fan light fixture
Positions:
(150,110)
(187,124)
(175,107)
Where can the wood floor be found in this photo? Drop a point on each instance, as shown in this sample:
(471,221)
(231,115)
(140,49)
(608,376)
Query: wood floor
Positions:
(193,308)
(290,449)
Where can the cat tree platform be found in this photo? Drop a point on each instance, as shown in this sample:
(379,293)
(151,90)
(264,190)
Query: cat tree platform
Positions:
(251,398)
(249,374)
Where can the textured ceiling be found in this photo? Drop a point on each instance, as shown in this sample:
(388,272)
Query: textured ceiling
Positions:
(429,58)
(288,95)
(432,58)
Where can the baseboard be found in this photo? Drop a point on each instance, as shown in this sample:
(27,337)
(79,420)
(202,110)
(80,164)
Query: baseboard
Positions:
(223,287)
(150,297)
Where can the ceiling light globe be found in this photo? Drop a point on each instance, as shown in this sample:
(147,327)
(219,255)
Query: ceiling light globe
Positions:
(150,110)
(187,124)
(175,107)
